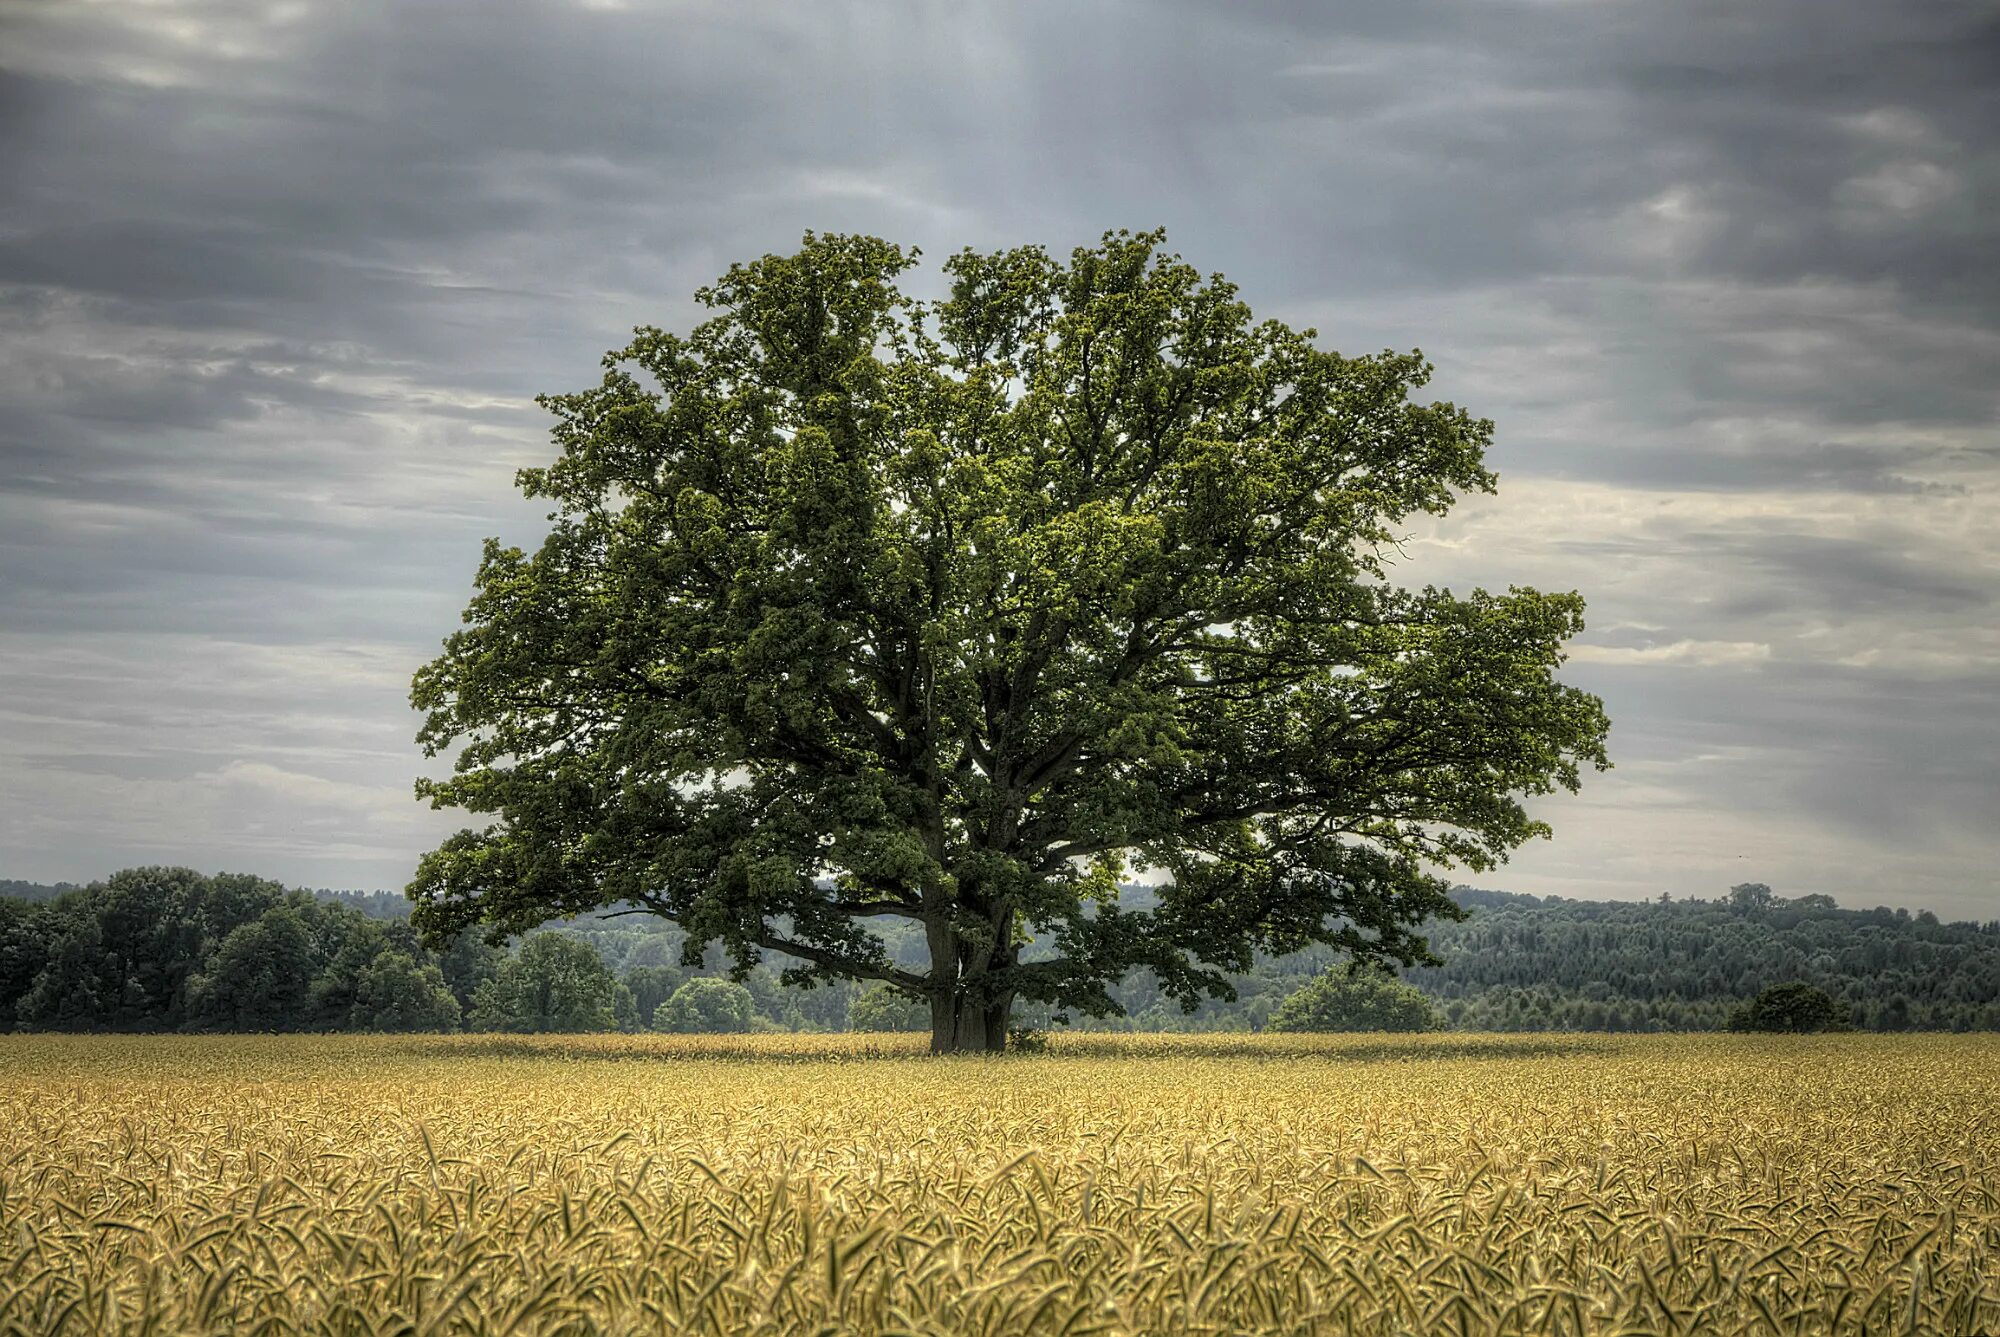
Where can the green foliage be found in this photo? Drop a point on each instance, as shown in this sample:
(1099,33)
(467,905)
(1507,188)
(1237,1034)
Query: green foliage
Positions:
(23,954)
(1550,964)
(468,962)
(1794,1006)
(120,954)
(14,889)
(397,993)
(854,608)
(74,975)
(158,948)
(706,1006)
(1527,963)
(555,983)
(356,943)
(881,1008)
(1027,1040)
(652,986)
(260,979)
(1751,897)
(1362,999)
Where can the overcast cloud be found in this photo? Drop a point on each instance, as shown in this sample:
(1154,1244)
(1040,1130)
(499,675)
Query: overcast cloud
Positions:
(279,280)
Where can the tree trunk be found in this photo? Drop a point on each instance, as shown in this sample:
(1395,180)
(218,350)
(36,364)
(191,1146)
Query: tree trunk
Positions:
(998,1006)
(944,1024)
(997,1014)
(971,1027)
(963,1025)
(964,1018)
(945,997)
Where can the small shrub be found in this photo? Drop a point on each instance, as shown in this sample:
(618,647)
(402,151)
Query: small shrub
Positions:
(1027,1040)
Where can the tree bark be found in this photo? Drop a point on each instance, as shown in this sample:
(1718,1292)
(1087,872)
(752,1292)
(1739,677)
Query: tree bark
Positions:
(944,1023)
(997,1014)
(966,1017)
(945,998)
(961,1024)
(971,1027)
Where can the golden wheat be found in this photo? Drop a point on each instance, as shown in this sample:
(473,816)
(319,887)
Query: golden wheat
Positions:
(1439,1184)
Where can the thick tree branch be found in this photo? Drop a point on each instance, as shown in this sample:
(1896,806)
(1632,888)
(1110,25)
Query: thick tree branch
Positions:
(838,963)
(870,909)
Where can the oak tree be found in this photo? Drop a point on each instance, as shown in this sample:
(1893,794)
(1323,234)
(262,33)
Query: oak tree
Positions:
(858,608)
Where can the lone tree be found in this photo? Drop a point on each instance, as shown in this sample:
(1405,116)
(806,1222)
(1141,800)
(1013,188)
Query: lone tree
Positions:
(1793,1006)
(1363,998)
(859,607)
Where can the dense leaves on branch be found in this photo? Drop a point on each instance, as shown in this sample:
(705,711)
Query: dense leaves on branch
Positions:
(857,608)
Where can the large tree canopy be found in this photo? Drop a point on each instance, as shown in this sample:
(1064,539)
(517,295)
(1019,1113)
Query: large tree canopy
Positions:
(856,606)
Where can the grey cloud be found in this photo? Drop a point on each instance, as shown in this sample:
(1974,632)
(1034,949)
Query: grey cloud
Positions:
(1829,466)
(1741,778)
(1816,574)
(277,283)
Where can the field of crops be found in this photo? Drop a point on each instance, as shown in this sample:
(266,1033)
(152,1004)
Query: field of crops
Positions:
(1439,1184)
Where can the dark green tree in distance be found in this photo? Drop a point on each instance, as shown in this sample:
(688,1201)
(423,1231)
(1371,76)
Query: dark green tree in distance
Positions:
(355,945)
(261,977)
(1794,1006)
(652,986)
(396,993)
(1751,897)
(130,966)
(856,609)
(1363,999)
(23,955)
(15,889)
(153,924)
(467,963)
(555,983)
(881,1008)
(68,992)
(706,1006)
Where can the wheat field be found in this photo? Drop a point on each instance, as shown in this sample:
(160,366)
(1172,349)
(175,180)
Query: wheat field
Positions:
(1437,1184)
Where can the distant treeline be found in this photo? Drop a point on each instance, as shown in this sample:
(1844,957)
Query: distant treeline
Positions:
(1526,963)
(13,889)
(166,949)
(170,949)
(1522,964)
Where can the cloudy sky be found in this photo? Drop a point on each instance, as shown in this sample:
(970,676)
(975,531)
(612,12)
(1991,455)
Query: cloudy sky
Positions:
(279,280)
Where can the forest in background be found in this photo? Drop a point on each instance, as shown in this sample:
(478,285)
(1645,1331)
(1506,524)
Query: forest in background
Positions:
(170,949)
